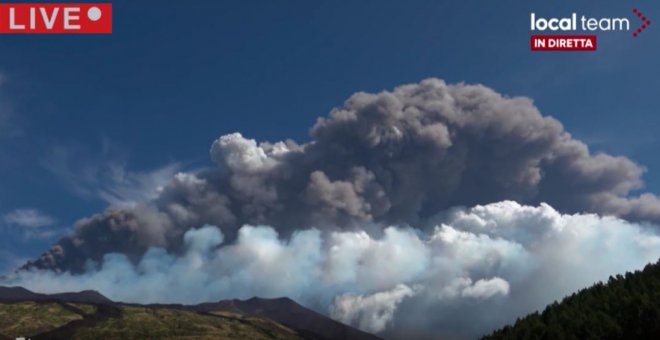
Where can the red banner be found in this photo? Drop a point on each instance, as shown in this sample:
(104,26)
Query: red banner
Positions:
(563,42)
(76,18)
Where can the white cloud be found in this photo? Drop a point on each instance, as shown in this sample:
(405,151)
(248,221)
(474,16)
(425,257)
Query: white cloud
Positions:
(106,176)
(238,153)
(29,223)
(454,278)
(486,288)
(28,218)
(371,313)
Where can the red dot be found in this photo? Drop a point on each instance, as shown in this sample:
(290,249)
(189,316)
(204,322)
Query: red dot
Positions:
(648,22)
(634,34)
(634,10)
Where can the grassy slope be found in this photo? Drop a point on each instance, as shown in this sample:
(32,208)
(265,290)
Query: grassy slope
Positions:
(148,323)
(31,318)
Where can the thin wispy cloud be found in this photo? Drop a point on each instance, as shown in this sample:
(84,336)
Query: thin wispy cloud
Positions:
(28,218)
(29,224)
(105,175)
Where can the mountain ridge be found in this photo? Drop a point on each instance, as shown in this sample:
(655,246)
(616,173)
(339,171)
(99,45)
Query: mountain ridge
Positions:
(16,293)
(284,311)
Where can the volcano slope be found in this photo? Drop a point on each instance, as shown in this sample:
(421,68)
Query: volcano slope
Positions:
(90,315)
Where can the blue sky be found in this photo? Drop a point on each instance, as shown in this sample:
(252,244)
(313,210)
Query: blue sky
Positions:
(88,120)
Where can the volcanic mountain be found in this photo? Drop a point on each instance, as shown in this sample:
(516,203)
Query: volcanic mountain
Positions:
(89,314)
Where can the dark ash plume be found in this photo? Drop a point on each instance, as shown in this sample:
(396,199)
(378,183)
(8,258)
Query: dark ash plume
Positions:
(396,157)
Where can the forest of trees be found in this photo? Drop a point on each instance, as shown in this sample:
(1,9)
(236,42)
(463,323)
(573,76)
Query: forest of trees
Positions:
(626,307)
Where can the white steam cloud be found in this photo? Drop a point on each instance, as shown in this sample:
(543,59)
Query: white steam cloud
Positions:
(450,279)
(371,313)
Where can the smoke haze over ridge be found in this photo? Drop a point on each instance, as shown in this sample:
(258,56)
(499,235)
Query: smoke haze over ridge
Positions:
(478,269)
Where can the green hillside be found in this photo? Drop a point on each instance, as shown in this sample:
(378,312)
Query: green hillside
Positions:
(626,307)
(86,321)
(30,318)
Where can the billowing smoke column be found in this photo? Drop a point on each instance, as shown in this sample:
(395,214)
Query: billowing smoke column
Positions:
(362,221)
(395,157)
